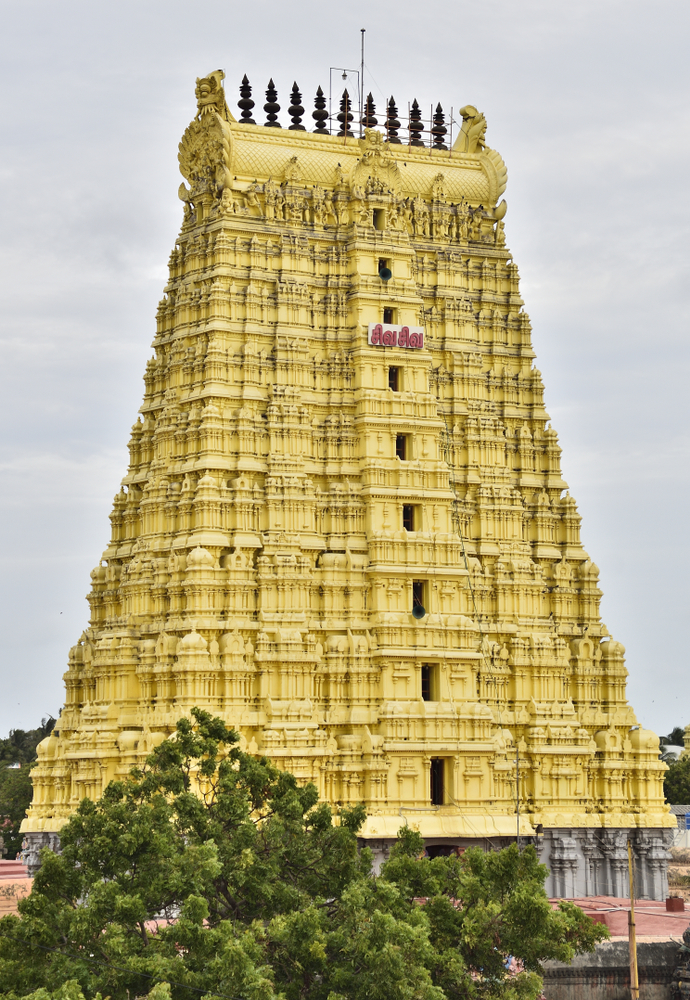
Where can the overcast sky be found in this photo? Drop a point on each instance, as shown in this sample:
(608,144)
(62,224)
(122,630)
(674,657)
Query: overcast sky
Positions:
(588,104)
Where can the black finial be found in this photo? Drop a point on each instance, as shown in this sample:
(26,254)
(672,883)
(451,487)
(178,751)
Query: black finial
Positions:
(246,102)
(392,123)
(345,116)
(439,129)
(271,107)
(416,126)
(296,110)
(369,120)
(320,115)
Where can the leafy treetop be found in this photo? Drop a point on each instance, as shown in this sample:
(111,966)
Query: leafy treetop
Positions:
(15,783)
(20,746)
(676,738)
(213,872)
(677,782)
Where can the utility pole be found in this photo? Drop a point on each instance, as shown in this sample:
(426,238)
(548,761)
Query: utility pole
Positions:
(632,943)
(517,790)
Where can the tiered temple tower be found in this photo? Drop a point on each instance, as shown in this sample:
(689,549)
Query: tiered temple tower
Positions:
(344,527)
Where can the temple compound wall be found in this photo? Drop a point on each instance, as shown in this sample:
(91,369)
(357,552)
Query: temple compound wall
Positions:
(344,527)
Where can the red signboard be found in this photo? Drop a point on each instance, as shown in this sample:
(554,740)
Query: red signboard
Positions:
(385,335)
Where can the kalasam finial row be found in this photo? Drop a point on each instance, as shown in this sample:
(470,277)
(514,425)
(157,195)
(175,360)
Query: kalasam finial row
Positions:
(437,127)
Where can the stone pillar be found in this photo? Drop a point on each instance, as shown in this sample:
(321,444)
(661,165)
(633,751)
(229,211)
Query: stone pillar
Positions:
(564,864)
(616,847)
(591,856)
(594,862)
(651,862)
(32,846)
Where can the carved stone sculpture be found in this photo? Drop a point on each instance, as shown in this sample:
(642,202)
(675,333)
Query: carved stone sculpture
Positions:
(473,132)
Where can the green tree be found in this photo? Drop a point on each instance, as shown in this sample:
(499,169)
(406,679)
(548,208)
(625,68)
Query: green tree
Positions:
(216,873)
(484,906)
(15,782)
(20,746)
(677,782)
(15,799)
(675,738)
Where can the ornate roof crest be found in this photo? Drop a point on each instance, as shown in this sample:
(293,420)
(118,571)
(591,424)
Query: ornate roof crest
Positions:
(206,147)
(377,164)
(210,95)
(472,138)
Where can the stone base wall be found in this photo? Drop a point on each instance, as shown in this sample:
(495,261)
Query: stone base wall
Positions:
(594,862)
(581,862)
(31,849)
(605,974)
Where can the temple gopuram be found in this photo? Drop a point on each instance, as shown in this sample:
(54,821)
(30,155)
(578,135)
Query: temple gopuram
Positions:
(344,527)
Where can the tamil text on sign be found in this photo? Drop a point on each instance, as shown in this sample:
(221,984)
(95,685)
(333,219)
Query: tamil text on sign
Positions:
(385,335)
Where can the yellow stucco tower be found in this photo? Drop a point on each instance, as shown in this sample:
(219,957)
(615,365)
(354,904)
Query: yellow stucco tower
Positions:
(344,527)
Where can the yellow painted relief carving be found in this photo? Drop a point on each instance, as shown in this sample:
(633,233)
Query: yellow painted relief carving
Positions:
(297,493)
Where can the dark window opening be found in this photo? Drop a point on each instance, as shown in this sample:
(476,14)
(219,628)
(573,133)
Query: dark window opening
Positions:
(430,682)
(394,379)
(379,220)
(417,593)
(382,263)
(401,446)
(388,315)
(408,517)
(437,781)
(426,682)
(441,851)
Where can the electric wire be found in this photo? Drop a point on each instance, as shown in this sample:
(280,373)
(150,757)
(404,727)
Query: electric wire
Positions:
(451,118)
(376,84)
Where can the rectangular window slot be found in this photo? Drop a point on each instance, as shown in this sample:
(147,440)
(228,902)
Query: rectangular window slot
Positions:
(408,517)
(430,682)
(418,595)
(436,774)
(394,379)
(389,316)
(401,448)
(426,683)
(380,219)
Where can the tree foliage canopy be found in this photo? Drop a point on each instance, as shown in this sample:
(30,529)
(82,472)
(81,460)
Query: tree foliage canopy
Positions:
(677,782)
(20,746)
(220,875)
(15,783)
(675,738)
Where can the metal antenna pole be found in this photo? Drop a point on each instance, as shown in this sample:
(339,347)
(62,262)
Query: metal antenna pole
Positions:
(361,87)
